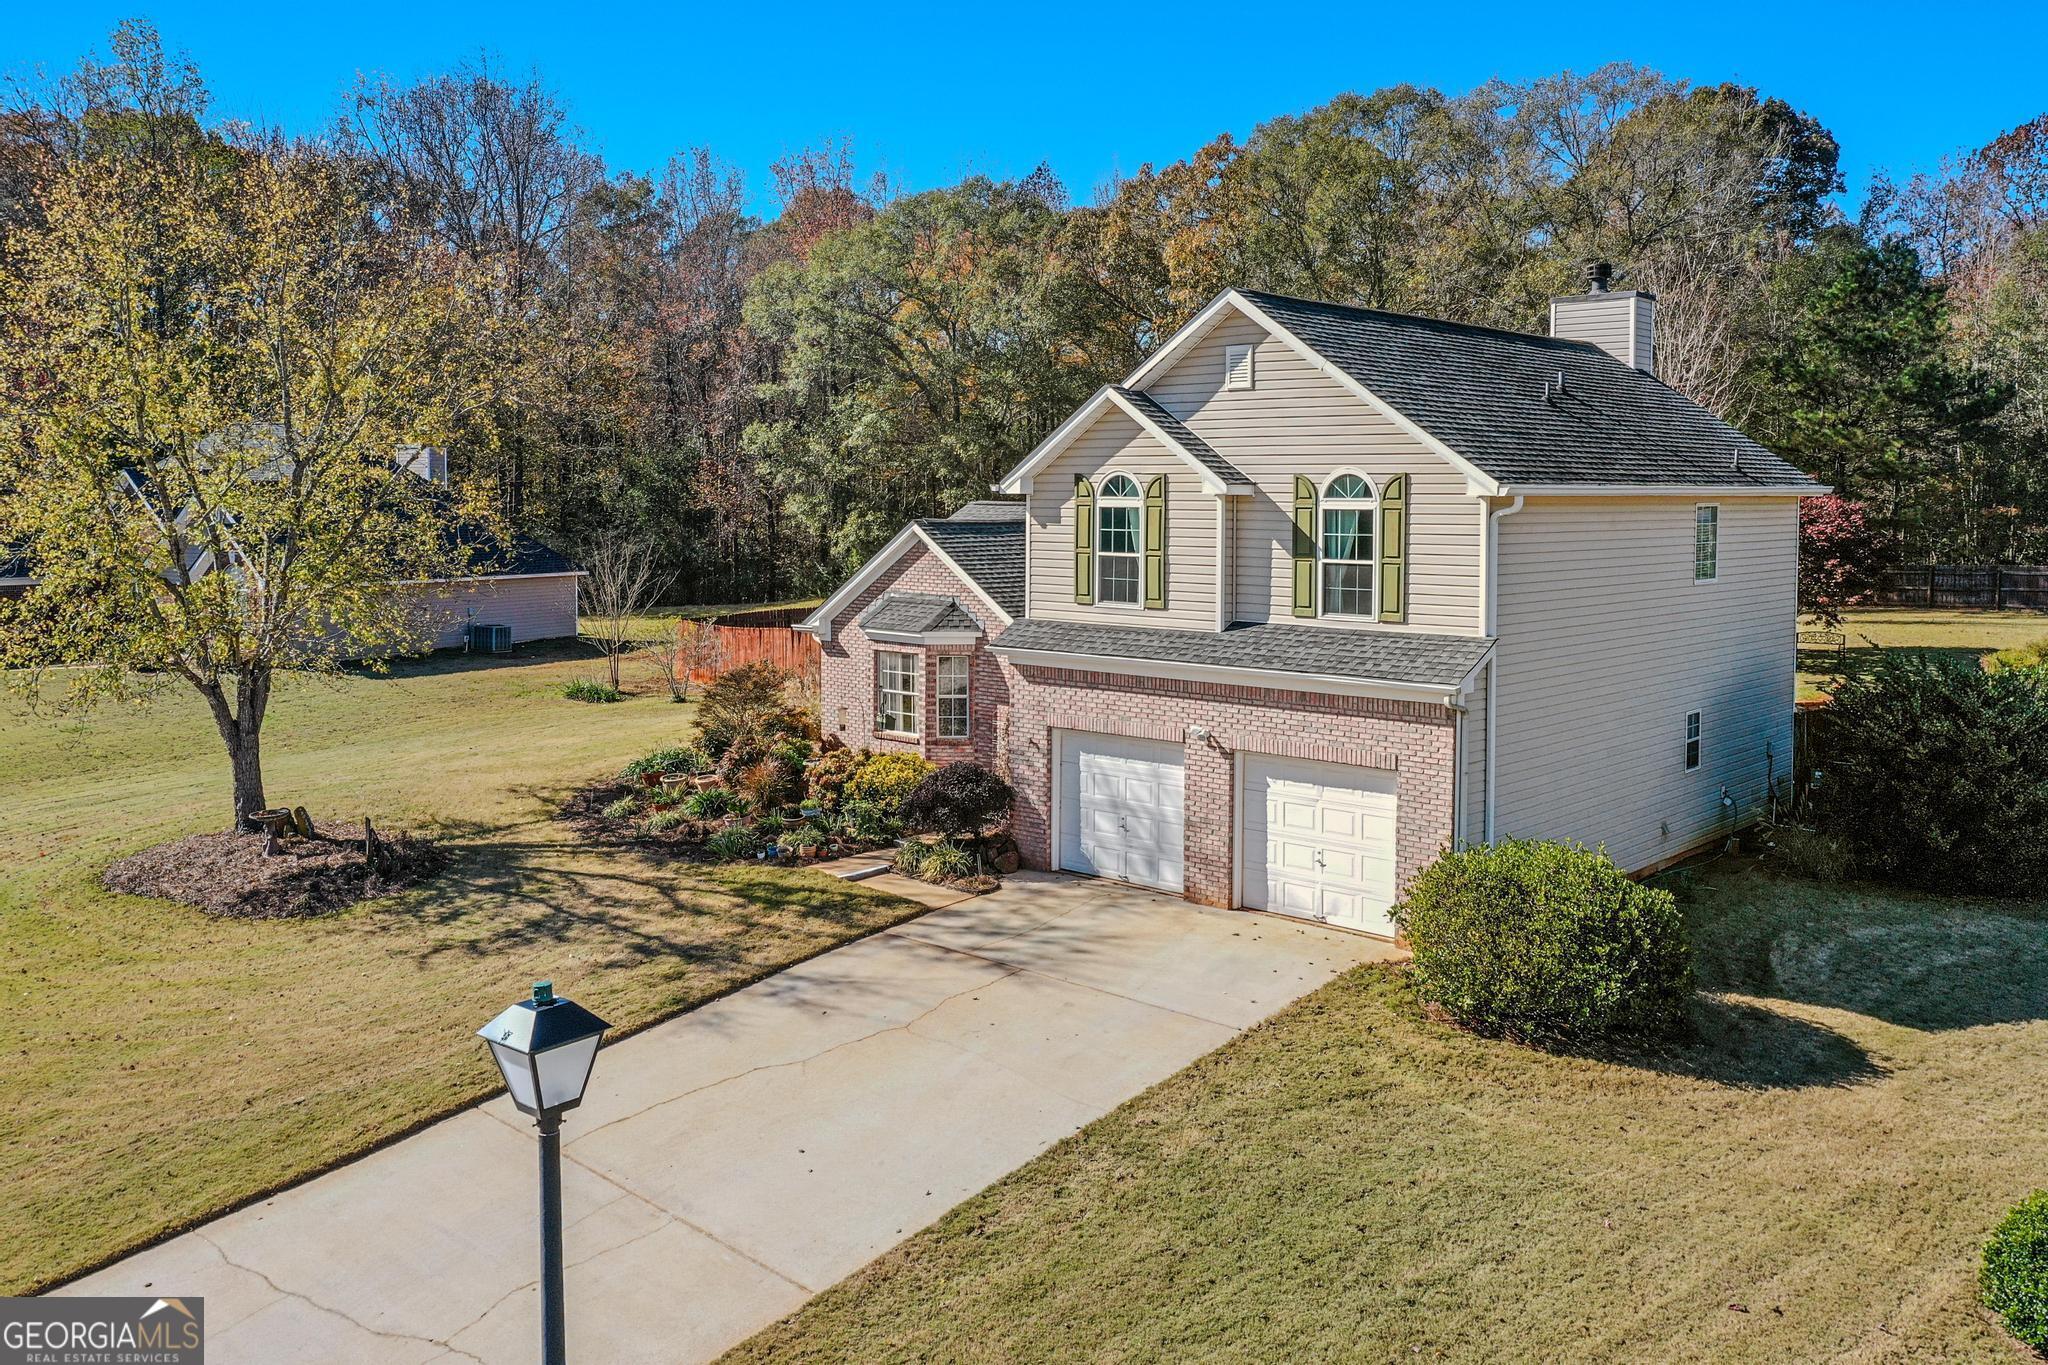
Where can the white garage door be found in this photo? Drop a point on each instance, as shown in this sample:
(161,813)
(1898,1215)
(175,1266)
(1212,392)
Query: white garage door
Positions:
(1122,811)
(1318,842)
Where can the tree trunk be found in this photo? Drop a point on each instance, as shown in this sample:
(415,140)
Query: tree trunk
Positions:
(245,754)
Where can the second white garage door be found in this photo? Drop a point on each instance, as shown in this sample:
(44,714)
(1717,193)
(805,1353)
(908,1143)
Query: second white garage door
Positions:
(1318,842)
(1122,808)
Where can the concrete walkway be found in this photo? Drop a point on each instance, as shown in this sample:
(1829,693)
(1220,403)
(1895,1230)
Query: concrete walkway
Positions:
(733,1162)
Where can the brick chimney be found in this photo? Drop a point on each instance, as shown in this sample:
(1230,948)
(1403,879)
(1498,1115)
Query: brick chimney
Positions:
(1622,324)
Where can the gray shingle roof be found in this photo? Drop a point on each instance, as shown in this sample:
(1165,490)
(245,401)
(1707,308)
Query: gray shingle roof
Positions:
(991,509)
(989,552)
(1412,657)
(1481,392)
(1197,448)
(917,613)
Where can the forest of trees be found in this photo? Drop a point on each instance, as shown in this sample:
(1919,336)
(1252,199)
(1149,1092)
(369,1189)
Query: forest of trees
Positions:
(767,398)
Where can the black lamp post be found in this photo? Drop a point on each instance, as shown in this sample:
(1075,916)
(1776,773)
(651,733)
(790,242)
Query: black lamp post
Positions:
(546,1047)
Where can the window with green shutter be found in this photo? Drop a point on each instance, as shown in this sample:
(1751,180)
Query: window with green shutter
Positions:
(1155,543)
(1304,546)
(1394,549)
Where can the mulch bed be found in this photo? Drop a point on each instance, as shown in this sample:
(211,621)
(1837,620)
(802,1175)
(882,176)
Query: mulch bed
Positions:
(227,874)
(584,813)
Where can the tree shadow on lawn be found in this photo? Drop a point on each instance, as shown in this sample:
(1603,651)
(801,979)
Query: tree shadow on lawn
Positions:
(525,884)
(1749,1047)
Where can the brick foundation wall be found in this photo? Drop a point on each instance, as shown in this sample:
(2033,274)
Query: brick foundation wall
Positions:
(1416,741)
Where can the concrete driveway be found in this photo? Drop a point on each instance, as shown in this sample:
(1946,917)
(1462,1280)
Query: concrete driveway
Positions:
(733,1162)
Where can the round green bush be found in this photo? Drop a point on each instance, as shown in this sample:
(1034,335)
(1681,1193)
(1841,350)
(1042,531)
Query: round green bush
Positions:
(1549,943)
(2014,1280)
(710,803)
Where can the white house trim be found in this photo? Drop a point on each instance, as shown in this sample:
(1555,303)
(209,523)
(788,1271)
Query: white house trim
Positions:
(1199,325)
(934,637)
(1660,490)
(1227,675)
(1018,480)
(819,622)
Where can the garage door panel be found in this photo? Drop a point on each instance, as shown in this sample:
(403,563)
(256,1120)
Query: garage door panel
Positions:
(1318,841)
(1121,808)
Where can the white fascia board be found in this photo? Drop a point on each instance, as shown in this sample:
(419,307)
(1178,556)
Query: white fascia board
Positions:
(819,622)
(1199,325)
(1018,480)
(1474,475)
(932,637)
(1661,490)
(1437,693)
(487,578)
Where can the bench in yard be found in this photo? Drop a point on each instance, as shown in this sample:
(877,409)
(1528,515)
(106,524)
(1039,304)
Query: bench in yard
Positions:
(1832,640)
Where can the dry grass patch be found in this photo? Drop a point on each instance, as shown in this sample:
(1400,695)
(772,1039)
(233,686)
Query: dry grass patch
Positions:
(1811,1181)
(166,1063)
(1968,635)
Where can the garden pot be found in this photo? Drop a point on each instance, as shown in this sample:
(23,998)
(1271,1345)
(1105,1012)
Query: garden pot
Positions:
(807,851)
(651,779)
(704,782)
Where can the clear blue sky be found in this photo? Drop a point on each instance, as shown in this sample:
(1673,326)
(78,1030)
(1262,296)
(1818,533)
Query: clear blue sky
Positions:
(930,94)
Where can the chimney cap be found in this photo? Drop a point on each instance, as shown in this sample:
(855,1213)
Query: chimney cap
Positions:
(1599,276)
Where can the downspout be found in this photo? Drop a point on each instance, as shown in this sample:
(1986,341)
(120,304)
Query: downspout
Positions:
(1493,659)
(1224,595)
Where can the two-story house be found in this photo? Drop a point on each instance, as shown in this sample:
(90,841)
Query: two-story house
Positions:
(1319,591)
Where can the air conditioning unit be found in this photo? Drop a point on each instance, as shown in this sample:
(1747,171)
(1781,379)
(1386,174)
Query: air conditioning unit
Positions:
(491,639)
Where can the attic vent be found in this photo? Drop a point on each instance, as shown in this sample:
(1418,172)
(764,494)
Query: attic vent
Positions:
(1237,367)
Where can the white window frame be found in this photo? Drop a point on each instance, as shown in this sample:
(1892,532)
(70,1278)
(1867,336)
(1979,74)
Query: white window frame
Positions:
(1136,502)
(1714,542)
(1370,505)
(915,663)
(941,696)
(1694,741)
(1243,355)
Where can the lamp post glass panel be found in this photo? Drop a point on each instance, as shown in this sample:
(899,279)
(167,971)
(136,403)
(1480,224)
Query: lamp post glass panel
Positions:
(546,1047)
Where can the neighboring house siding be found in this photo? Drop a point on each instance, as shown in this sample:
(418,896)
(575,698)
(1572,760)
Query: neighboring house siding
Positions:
(535,608)
(1114,443)
(1297,420)
(846,671)
(1606,642)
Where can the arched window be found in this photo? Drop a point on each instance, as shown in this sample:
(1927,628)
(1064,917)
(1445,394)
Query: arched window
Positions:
(1346,546)
(1119,541)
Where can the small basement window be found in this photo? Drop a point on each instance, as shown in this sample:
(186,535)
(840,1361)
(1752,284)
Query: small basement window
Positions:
(1238,366)
(895,692)
(953,672)
(1692,740)
(1706,543)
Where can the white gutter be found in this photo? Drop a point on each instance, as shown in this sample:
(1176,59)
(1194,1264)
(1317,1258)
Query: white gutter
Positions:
(1663,490)
(1437,694)
(1492,618)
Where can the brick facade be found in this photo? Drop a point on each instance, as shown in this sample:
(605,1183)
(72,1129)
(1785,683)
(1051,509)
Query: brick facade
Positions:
(1015,711)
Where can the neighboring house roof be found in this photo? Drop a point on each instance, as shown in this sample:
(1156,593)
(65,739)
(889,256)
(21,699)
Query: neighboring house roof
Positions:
(989,552)
(1481,392)
(1218,475)
(918,613)
(1414,660)
(494,556)
(1191,445)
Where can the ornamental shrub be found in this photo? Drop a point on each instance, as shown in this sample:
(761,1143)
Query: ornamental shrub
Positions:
(2019,656)
(748,703)
(589,689)
(828,775)
(1935,773)
(888,779)
(662,821)
(959,800)
(2014,1280)
(677,759)
(732,845)
(625,808)
(770,784)
(1549,943)
(710,803)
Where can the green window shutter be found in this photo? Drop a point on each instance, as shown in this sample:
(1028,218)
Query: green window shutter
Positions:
(1155,543)
(1304,547)
(1084,542)
(1394,549)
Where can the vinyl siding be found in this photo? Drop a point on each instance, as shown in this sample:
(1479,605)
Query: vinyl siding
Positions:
(1299,421)
(1115,443)
(1472,764)
(535,608)
(1618,324)
(1606,642)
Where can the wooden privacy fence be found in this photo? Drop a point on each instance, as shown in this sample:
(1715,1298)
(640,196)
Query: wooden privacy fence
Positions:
(779,645)
(1992,586)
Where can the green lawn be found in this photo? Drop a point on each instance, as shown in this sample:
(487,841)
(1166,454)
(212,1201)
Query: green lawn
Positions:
(1958,634)
(1352,1180)
(162,1065)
